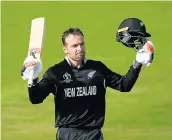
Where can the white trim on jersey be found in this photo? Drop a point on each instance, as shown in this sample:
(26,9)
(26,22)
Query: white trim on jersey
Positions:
(67,59)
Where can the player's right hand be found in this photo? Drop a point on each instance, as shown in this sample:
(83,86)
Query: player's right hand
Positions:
(31,68)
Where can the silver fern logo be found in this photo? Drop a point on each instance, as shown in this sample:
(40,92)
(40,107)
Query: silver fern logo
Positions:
(141,24)
(90,74)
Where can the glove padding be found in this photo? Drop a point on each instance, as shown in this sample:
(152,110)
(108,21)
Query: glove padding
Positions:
(31,68)
(145,55)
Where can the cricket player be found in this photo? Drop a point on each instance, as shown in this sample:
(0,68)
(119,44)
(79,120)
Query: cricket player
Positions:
(79,84)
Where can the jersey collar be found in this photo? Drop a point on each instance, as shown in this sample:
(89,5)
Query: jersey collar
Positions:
(68,61)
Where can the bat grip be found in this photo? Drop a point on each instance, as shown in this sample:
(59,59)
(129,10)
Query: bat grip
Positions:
(31,74)
(30,81)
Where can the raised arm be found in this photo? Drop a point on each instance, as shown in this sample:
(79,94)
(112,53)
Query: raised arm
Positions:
(38,90)
(123,83)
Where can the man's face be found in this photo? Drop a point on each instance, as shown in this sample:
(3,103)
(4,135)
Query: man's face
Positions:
(74,47)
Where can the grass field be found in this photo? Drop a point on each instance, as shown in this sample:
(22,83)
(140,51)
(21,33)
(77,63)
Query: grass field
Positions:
(143,114)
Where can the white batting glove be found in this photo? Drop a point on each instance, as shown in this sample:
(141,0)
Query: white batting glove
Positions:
(31,68)
(145,55)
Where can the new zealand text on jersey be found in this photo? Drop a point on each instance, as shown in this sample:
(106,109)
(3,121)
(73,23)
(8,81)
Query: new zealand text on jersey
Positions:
(80,91)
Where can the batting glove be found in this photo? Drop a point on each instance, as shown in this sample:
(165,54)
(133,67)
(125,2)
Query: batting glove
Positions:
(31,68)
(145,55)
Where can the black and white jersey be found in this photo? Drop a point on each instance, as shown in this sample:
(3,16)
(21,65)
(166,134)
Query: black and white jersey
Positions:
(79,93)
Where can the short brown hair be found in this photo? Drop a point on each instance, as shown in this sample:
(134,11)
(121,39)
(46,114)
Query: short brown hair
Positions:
(73,31)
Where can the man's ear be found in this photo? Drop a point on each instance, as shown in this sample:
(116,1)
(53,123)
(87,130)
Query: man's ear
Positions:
(65,49)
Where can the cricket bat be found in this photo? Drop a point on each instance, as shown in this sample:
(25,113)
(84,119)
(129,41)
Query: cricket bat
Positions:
(36,41)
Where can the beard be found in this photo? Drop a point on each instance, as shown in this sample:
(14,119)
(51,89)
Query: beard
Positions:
(79,57)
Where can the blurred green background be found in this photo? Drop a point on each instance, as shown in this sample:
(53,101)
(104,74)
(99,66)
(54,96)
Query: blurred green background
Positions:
(143,114)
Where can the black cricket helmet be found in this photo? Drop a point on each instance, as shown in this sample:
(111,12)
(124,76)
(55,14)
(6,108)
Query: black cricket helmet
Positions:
(132,33)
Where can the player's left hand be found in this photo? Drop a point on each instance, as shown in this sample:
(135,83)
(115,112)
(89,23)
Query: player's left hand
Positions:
(145,55)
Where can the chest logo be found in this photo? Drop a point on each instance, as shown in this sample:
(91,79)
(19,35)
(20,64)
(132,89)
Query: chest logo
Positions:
(67,77)
(90,74)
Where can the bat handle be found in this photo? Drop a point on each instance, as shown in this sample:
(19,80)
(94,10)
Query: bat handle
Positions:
(30,81)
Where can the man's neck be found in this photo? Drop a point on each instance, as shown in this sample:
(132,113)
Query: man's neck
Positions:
(74,63)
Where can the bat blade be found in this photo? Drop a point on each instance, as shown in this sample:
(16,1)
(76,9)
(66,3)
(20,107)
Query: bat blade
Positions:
(36,37)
